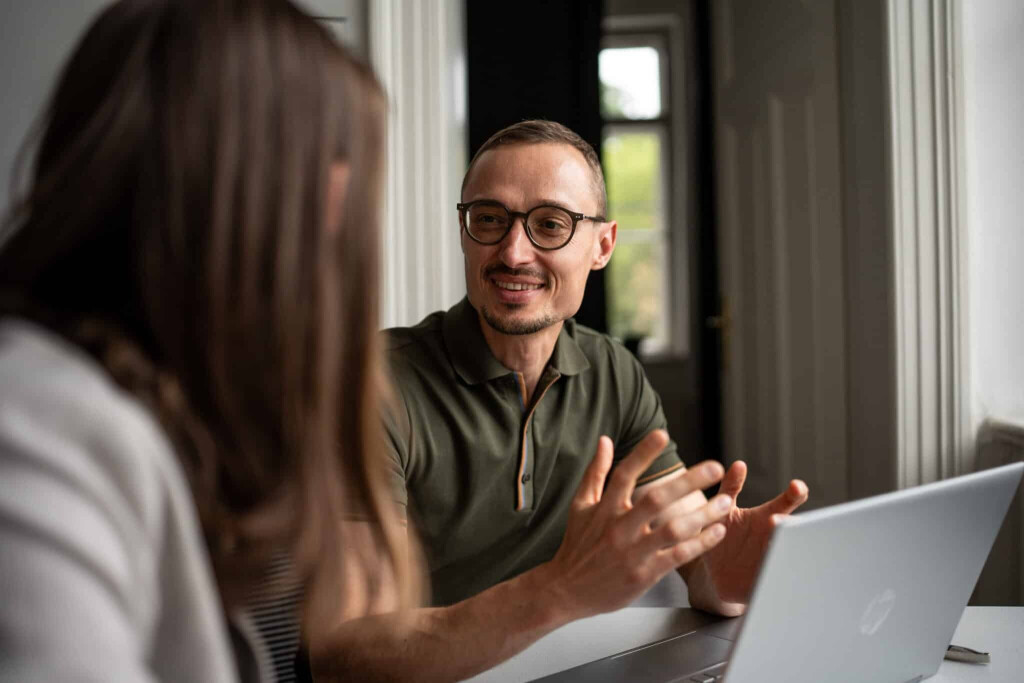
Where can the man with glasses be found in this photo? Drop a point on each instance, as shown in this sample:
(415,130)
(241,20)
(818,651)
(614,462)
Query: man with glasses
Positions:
(530,452)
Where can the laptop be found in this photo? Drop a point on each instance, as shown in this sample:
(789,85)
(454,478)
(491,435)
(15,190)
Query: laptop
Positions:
(870,590)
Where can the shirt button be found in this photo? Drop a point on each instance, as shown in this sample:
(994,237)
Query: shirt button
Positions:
(526,478)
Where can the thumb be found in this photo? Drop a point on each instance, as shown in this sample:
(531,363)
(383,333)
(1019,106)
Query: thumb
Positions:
(789,500)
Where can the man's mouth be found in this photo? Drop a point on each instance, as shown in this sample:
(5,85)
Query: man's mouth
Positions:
(516,286)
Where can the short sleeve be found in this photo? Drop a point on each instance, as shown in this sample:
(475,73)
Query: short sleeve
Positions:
(643,414)
(397,446)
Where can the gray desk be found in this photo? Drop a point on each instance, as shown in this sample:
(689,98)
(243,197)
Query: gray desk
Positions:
(998,630)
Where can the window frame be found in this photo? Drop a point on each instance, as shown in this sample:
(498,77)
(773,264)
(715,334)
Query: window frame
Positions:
(663,34)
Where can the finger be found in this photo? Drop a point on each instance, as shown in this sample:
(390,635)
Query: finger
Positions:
(658,499)
(681,506)
(734,479)
(590,489)
(789,500)
(689,550)
(685,526)
(623,479)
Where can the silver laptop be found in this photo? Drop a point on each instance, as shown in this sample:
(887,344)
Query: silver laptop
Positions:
(865,591)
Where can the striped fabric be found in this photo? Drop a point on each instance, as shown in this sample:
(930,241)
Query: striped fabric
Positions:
(275,611)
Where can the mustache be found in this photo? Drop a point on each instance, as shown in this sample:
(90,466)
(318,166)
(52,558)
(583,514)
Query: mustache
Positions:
(502,269)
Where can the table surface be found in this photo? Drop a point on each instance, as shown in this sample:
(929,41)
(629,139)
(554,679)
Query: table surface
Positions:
(997,630)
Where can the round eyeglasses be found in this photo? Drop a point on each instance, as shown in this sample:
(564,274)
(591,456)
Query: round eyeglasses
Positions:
(547,227)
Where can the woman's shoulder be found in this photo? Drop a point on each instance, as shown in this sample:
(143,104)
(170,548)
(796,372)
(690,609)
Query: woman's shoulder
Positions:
(115,545)
(58,403)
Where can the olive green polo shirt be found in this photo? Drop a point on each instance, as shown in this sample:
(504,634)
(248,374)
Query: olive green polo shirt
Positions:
(487,476)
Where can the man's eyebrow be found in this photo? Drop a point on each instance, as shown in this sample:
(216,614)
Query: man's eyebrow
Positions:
(554,202)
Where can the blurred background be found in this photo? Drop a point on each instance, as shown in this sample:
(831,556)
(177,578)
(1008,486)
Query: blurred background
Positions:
(820,246)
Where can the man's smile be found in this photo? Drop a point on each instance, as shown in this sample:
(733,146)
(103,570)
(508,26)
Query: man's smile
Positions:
(516,286)
(513,290)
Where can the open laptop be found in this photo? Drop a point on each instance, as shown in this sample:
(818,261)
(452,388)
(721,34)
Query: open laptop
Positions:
(870,590)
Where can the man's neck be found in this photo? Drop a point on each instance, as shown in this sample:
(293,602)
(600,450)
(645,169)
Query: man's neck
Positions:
(524,353)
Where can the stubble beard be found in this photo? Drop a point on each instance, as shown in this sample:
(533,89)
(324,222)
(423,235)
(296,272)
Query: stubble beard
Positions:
(515,326)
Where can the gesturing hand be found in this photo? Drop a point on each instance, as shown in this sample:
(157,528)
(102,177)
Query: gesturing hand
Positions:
(732,566)
(610,553)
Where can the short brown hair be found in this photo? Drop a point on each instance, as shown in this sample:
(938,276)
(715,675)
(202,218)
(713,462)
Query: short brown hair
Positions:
(537,131)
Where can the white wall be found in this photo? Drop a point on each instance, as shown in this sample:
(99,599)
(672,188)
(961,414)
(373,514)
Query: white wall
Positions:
(35,39)
(994,69)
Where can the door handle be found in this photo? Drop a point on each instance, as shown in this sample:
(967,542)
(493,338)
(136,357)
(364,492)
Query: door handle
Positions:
(723,323)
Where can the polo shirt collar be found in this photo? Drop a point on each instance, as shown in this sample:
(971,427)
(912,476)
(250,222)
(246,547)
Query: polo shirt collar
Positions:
(568,358)
(472,358)
(466,346)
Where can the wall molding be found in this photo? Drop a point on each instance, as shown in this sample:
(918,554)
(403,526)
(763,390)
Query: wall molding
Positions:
(418,51)
(930,257)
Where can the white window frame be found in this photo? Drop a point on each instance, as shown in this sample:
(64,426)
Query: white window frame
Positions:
(664,33)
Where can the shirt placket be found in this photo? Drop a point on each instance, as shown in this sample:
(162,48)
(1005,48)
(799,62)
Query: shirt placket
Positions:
(527,456)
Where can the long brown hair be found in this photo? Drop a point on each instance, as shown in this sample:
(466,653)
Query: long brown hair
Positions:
(175,225)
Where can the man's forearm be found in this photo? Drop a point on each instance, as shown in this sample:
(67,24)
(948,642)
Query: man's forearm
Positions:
(443,643)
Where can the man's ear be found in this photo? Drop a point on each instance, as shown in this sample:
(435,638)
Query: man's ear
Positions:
(604,245)
(337,188)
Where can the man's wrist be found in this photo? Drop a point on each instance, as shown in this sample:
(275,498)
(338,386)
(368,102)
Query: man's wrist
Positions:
(701,590)
(699,585)
(690,570)
(556,604)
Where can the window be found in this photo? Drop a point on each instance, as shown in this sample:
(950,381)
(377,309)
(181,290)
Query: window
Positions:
(637,159)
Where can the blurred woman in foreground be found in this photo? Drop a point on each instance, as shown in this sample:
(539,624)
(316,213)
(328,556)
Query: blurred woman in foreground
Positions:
(188,301)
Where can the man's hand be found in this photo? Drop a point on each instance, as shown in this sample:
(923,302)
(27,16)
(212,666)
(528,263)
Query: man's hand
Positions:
(730,569)
(613,550)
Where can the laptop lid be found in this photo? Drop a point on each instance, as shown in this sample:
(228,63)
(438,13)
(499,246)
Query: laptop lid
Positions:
(865,591)
(872,590)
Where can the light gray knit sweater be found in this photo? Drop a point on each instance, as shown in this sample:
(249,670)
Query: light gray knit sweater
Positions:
(104,575)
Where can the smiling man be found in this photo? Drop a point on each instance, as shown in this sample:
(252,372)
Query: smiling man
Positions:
(530,452)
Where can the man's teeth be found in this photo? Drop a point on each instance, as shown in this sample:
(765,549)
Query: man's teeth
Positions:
(516,286)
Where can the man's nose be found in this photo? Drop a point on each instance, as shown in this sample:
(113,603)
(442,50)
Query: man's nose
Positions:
(516,247)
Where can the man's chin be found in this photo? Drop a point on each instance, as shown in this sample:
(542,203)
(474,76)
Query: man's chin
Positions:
(513,324)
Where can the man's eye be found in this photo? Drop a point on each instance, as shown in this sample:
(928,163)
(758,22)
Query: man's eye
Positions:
(551,225)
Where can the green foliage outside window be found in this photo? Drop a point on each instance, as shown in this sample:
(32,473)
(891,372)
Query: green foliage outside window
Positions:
(632,162)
